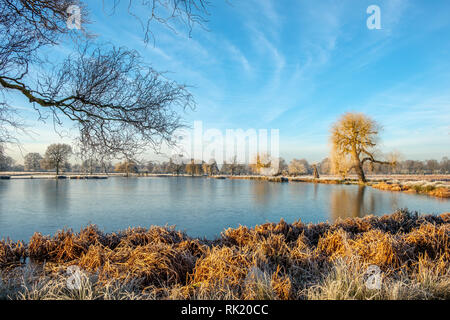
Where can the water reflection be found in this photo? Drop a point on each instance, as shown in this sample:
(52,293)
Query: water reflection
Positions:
(3,191)
(202,207)
(352,202)
(316,190)
(261,193)
(129,184)
(235,188)
(55,195)
(348,203)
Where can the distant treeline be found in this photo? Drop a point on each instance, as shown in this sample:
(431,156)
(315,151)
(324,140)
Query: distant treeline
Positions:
(33,162)
(295,167)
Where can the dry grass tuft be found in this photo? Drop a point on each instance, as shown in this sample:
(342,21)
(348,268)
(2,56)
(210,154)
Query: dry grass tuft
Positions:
(11,252)
(379,248)
(224,267)
(282,285)
(430,240)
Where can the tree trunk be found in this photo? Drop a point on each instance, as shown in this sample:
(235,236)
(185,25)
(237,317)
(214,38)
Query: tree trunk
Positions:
(360,172)
(57,169)
(358,204)
(358,167)
(316,172)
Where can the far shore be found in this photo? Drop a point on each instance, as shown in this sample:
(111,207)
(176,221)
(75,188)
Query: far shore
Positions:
(306,178)
(437,185)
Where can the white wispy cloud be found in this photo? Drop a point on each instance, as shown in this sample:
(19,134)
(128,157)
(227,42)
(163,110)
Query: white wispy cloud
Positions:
(238,56)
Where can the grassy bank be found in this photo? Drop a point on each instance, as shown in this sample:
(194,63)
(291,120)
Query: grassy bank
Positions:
(270,261)
(435,189)
(440,189)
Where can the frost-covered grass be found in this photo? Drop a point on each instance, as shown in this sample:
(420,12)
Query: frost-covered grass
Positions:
(427,184)
(433,188)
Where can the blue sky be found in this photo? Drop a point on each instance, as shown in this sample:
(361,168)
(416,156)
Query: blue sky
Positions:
(297,66)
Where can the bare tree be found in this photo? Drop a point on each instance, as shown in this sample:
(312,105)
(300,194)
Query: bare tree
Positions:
(111,95)
(432,165)
(56,157)
(6,162)
(32,161)
(283,166)
(166,12)
(127,167)
(177,164)
(315,171)
(234,166)
(354,138)
(325,166)
(150,166)
(25,26)
(93,155)
(210,168)
(445,165)
(297,167)
(118,102)
(9,122)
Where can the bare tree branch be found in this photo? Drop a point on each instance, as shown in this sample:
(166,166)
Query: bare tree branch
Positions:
(116,100)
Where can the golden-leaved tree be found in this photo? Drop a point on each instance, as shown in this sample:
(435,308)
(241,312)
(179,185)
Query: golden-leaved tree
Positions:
(354,138)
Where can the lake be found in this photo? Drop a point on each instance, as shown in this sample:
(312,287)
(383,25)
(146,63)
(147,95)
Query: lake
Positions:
(202,207)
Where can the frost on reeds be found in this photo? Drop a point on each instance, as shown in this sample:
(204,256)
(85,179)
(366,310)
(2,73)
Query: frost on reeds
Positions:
(11,252)
(269,261)
(437,188)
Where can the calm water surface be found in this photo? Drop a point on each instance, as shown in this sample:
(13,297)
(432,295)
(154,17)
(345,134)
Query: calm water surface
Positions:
(201,207)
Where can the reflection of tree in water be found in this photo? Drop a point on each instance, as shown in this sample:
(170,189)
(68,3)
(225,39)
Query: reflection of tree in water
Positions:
(349,203)
(236,187)
(316,189)
(55,194)
(302,190)
(395,205)
(187,188)
(128,184)
(262,192)
(176,188)
(4,185)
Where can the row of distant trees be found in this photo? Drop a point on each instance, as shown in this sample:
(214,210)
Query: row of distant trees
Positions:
(294,167)
(56,158)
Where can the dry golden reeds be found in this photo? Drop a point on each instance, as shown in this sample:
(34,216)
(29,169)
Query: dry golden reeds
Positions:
(269,261)
(11,252)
